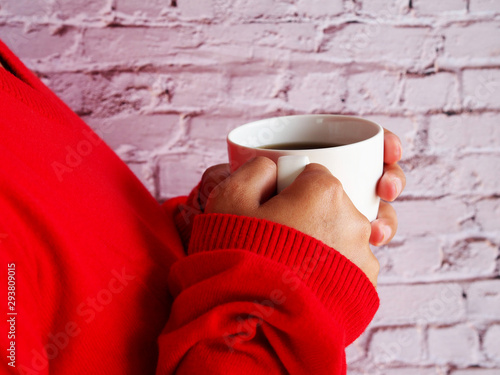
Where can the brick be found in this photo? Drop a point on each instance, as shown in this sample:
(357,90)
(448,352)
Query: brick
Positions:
(213,127)
(319,8)
(476,371)
(371,91)
(354,372)
(404,127)
(476,174)
(384,8)
(492,6)
(70,88)
(419,304)
(483,299)
(491,341)
(488,214)
(179,173)
(246,88)
(464,132)
(456,345)
(400,46)
(481,89)
(149,8)
(68,9)
(38,43)
(425,217)
(145,132)
(107,95)
(356,351)
(131,45)
(415,258)
(292,36)
(473,41)
(397,345)
(428,176)
(469,258)
(433,7)
(437,91)
(318,92)
(236,56)
(209,90)
(38,9)
(261,9)
(196,9)
(104,95)
(479,174)
(209,142)
(410,371)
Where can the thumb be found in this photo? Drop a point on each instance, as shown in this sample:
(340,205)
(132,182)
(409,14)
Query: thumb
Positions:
(212,177)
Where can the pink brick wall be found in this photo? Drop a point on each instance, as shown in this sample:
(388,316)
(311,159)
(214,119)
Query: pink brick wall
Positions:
(163,84)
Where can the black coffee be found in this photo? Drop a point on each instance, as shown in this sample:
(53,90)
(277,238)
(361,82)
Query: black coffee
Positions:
(300,145)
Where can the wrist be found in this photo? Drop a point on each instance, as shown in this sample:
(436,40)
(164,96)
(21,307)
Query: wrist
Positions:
(339,284)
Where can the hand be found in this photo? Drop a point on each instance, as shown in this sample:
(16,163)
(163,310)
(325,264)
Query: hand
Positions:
(389,187)
(315,204)
(196,201)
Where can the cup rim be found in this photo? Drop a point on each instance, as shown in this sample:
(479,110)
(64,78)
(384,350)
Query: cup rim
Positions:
(231,134)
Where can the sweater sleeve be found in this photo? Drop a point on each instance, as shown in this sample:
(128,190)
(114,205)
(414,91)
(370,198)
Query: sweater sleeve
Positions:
(258,297)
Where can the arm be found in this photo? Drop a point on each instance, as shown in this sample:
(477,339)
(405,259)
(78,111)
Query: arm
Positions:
(258,293)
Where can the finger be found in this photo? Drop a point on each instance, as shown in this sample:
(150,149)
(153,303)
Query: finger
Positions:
(212,177)
(385,226)
(246,189)
(392,182)
(315,193)
(314,177)
(315,189)
(393,151)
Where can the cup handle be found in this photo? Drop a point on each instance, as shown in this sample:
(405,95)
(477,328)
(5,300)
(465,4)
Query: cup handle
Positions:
(289,167)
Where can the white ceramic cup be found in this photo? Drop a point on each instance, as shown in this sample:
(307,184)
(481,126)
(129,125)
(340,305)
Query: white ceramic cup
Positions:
(357,163)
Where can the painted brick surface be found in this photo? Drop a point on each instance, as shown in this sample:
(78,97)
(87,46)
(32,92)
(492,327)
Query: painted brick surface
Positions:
(433,7)
(484,6)
(475,372)
(420,304)
(457,345)
(397,345)
(491,340)
(164,81)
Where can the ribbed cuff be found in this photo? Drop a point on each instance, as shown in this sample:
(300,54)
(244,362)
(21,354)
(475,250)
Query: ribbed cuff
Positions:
(339,284)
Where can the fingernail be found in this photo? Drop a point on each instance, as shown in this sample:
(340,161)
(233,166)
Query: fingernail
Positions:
(387,233)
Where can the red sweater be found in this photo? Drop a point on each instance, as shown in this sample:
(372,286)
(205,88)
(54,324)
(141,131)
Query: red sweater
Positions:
(94,278)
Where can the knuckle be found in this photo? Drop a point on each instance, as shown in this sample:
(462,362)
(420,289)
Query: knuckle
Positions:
(211,178)
(215,174)
(209,172)
(375,264)
(263,162)
(330,186)
(322,179)
(365,229)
